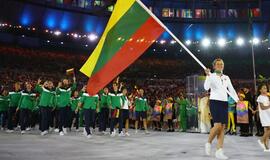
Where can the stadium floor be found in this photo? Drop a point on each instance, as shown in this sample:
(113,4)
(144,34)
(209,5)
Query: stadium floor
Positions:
(155,146)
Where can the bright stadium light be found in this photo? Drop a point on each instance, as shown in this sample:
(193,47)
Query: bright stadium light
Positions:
(57,33)
(173,42)
(188,42)
(240,41)
(75,35)
(221,42)
(92,37)
(162,41)
(206,42)
(256,41)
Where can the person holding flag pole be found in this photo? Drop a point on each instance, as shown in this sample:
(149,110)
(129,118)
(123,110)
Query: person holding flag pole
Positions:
(106,63)
(218,83)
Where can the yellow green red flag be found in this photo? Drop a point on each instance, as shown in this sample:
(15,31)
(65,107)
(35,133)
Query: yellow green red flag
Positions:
(128,34)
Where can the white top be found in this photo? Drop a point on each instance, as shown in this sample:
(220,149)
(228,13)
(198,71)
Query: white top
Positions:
(218,86)
(264,114)
(125,102)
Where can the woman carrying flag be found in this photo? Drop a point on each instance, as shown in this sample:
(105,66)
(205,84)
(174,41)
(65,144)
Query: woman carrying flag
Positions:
(218,83)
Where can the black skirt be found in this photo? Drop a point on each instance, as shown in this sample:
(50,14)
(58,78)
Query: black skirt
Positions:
(219,111)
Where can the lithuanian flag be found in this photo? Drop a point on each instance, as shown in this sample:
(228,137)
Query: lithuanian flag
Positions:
(129,32)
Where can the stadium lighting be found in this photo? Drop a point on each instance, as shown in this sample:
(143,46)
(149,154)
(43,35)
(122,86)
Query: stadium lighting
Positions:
(92,37)
(188,42)
(57,33)
(221,42)
(240,41)
(173,41)
(62,42)
(162,41)
(206,42)
(255,41)
(48,41)
(75,35)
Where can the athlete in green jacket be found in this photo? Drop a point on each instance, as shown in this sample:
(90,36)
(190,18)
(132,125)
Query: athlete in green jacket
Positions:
(141,106)
(90,105)
(104,110)
(25,106)
(4,103)
(46,103)
(64,90)
(114,101)
(14,97)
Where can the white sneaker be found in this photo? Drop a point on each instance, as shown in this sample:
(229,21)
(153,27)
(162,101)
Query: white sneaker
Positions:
(44,133)
(266,150)
(122,134)
(65,130)
(89,136)
(84,132)
(136,131)
(261,144)
(50,129)
(147,132)
(61,133)
(17,128)
(113,134)
(23,132)
(208,149)
(56,130)
(104,133)
(9,131)
(220,154)
(77,130)
(127,134)
(28,129)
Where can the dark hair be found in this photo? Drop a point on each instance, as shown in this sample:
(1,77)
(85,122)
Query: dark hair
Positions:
(260,87)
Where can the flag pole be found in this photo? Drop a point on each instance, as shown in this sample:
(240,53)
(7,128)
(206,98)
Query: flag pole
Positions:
(174,37)
(179,42)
